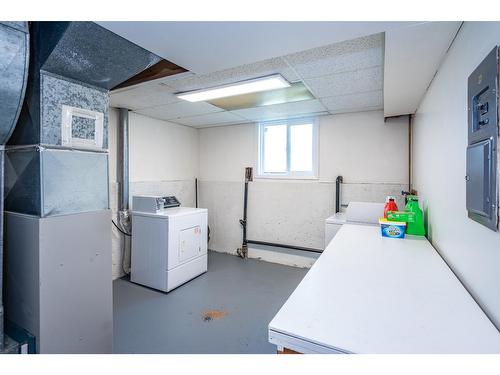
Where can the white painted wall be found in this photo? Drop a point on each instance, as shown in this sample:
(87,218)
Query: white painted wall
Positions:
(360,146)
(161,151)
(371,154)
(363,148)
(163,160)
(439,144)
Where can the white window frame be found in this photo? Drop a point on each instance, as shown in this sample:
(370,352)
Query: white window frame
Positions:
(312,175)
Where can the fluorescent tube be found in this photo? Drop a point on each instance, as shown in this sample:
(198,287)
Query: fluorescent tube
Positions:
(245,87)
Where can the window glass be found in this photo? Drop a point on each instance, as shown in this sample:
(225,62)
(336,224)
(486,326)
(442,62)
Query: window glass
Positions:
(275,149)
(288,149)
(301,148)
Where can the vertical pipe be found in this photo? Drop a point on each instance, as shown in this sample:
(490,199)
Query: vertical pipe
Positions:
(410,141)
(122,160)
(338,181)
(243,250)
(196,192)
(245,203)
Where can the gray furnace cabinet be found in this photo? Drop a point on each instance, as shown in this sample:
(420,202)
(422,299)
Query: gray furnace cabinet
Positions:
(59,286)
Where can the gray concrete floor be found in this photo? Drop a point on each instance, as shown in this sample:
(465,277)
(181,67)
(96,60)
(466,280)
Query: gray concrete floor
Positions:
(245,294)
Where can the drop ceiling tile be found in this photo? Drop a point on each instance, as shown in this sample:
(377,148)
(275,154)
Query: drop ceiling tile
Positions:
(337,49)
(244,72)
(323,65)
(279,111)
(370,79)
(178,110)
(355,110)
(371,99)
(143,96)
(211,119)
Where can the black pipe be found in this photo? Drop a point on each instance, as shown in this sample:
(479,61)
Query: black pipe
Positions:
(244,221)
(293,247)
(242,252)
(338,181)
(410,141)
(196,192)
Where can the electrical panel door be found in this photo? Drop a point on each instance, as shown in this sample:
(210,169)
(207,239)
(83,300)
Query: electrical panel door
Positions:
(479,194)
(482,178)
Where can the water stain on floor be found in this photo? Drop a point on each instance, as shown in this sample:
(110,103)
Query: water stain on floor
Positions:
(209,315)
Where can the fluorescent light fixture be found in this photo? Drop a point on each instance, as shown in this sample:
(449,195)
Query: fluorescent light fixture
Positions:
(273,82)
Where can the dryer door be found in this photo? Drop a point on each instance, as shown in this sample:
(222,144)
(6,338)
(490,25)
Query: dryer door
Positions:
(189,243)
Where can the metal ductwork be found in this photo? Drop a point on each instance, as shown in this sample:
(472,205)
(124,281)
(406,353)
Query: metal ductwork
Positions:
(73,65)
(14,61)
(56,176)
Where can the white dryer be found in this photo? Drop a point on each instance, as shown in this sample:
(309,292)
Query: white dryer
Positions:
(169,243)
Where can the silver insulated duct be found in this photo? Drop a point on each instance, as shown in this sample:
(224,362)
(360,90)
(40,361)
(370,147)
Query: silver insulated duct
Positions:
(56,187)
(14,61)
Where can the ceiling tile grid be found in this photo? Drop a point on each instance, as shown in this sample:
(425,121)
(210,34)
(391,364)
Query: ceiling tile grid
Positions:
(179,110)
(241,73)
(279,111)
(346,56)
(212,119)
(338,64)
(343,77)
(354,110)
(371,99)
(364,80)
(143,96)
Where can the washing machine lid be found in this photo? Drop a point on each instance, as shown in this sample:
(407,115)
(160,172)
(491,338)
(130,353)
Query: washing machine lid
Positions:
(180,211)
(338,218)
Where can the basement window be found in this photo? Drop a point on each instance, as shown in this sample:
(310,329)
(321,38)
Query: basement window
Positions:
(288,149)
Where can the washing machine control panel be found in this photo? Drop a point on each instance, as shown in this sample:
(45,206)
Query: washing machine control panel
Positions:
(170,201)
(153,204)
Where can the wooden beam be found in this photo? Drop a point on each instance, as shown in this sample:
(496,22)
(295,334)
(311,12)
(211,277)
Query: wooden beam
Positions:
(163,68)
(287,351)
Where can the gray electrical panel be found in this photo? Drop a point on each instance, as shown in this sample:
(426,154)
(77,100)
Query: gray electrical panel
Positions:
(482,154)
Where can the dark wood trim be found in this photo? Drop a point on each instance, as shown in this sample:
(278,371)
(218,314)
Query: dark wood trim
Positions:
(163,68)
(287,351)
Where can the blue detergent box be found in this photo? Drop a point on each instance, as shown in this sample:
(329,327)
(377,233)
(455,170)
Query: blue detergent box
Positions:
(392,229)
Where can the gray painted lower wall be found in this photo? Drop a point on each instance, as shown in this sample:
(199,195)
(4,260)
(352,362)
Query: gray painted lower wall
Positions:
(184,190)
(284,212)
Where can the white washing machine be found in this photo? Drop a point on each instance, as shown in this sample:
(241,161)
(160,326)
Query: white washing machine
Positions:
(169,242)
(333,225)
(361,213)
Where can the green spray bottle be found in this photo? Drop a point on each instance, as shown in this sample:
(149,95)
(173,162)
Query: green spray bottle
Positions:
(417,226)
